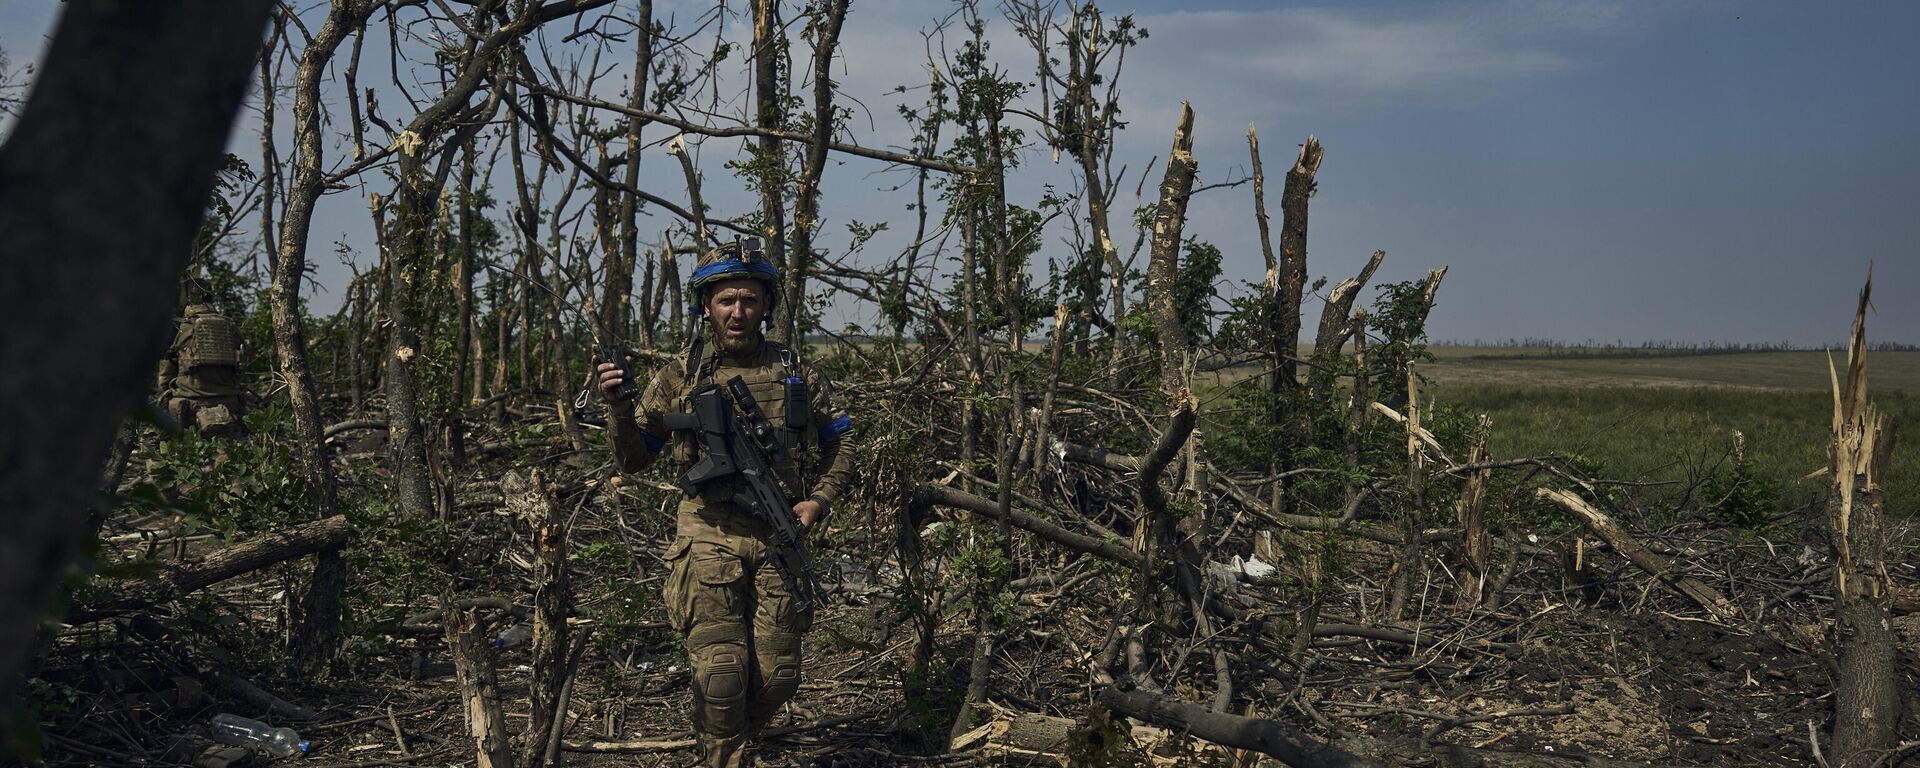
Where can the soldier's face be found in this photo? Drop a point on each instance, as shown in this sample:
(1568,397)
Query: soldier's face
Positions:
(736,308)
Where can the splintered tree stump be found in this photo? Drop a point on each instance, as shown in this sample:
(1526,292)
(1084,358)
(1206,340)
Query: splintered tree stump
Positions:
(552,600)
(479,689)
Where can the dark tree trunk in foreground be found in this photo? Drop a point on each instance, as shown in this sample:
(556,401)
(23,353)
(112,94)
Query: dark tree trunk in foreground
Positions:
(96,235)
(1292,276)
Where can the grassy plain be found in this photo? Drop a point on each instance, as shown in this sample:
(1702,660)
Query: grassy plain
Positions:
(1671,417)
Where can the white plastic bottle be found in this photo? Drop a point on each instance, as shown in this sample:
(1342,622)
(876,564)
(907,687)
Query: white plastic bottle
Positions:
(247,732)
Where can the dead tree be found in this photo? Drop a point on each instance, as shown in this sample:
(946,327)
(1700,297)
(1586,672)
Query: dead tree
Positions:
(620,273)
(1162,267)
(1866,694)
(552,601)
(1336,320)
(98,233)
(770,158)
(320,615)
(1286,286)
(1470,513)
(824,28)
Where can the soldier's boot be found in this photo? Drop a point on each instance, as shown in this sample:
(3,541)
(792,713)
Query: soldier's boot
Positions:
(720,672)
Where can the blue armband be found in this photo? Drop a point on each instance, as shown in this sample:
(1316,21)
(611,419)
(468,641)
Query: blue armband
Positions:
(840,425)
(654,444)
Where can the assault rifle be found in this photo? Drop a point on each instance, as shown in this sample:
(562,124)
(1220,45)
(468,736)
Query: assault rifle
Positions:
(736,465)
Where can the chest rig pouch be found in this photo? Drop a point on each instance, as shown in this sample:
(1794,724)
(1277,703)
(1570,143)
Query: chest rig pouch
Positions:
(787,443)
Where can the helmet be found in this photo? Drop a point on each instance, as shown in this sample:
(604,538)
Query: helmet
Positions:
(740,259)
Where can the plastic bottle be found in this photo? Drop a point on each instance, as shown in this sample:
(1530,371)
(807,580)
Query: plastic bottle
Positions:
(247,732)
(514,636)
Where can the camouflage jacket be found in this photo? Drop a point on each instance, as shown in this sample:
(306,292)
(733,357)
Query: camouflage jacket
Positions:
(820,468)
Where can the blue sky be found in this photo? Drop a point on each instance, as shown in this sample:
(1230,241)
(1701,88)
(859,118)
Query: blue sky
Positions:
(1690,170)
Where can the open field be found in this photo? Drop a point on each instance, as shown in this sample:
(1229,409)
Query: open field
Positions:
(1671,418)
(1755,371)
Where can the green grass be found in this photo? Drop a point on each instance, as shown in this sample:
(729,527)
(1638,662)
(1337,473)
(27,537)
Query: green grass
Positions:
(1666,433)
(1799,371)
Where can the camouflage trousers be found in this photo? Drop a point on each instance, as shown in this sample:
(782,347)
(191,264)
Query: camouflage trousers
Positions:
(742,628)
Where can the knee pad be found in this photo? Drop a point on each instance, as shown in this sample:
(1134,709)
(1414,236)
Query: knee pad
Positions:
(777,657)
(720,689)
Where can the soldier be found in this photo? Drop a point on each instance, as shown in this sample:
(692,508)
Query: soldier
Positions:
(200,378)
(743,626)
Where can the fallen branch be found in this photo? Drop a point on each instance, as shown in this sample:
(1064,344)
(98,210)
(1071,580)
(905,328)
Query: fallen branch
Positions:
(1452,723)
(630,747)
(1702,595)
(952,497)
(1282,741)
(259,552)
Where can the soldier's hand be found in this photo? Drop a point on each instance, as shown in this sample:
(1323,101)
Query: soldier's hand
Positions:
(809,513)
(611,377)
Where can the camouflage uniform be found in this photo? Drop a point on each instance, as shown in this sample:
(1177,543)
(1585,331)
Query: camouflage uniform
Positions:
(742,626)
(200,379)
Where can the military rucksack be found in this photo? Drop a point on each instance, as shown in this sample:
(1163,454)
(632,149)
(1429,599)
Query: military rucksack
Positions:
(212,340)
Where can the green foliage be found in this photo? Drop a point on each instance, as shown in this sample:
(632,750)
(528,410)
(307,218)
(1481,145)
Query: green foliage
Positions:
(1399,317)
(1740,497)
(620,600)
(1193,291)
(230,487)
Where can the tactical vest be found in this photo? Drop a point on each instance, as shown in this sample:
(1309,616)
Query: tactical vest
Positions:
(780,389)
(212,340)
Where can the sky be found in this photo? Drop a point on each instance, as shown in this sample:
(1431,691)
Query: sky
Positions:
(1607,170)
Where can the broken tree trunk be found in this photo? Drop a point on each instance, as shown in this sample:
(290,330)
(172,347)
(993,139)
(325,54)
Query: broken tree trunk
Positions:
(1866,696)
(1019,738)
(1622,542)
(479,689)
(1336,321)
(326,535)
(552,600)
(1471,512)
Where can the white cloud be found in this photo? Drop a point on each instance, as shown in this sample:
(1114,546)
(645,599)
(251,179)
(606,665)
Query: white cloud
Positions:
(1357,57)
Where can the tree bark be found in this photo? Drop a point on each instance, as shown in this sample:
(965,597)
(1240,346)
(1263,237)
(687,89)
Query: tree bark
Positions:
(769,47)
(1866,691)
(1471,513)
(1291,279)
(98,232)
(806,211)
(552,601)
(479,689)
(1336,322)
(1163,261)
(320,536)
